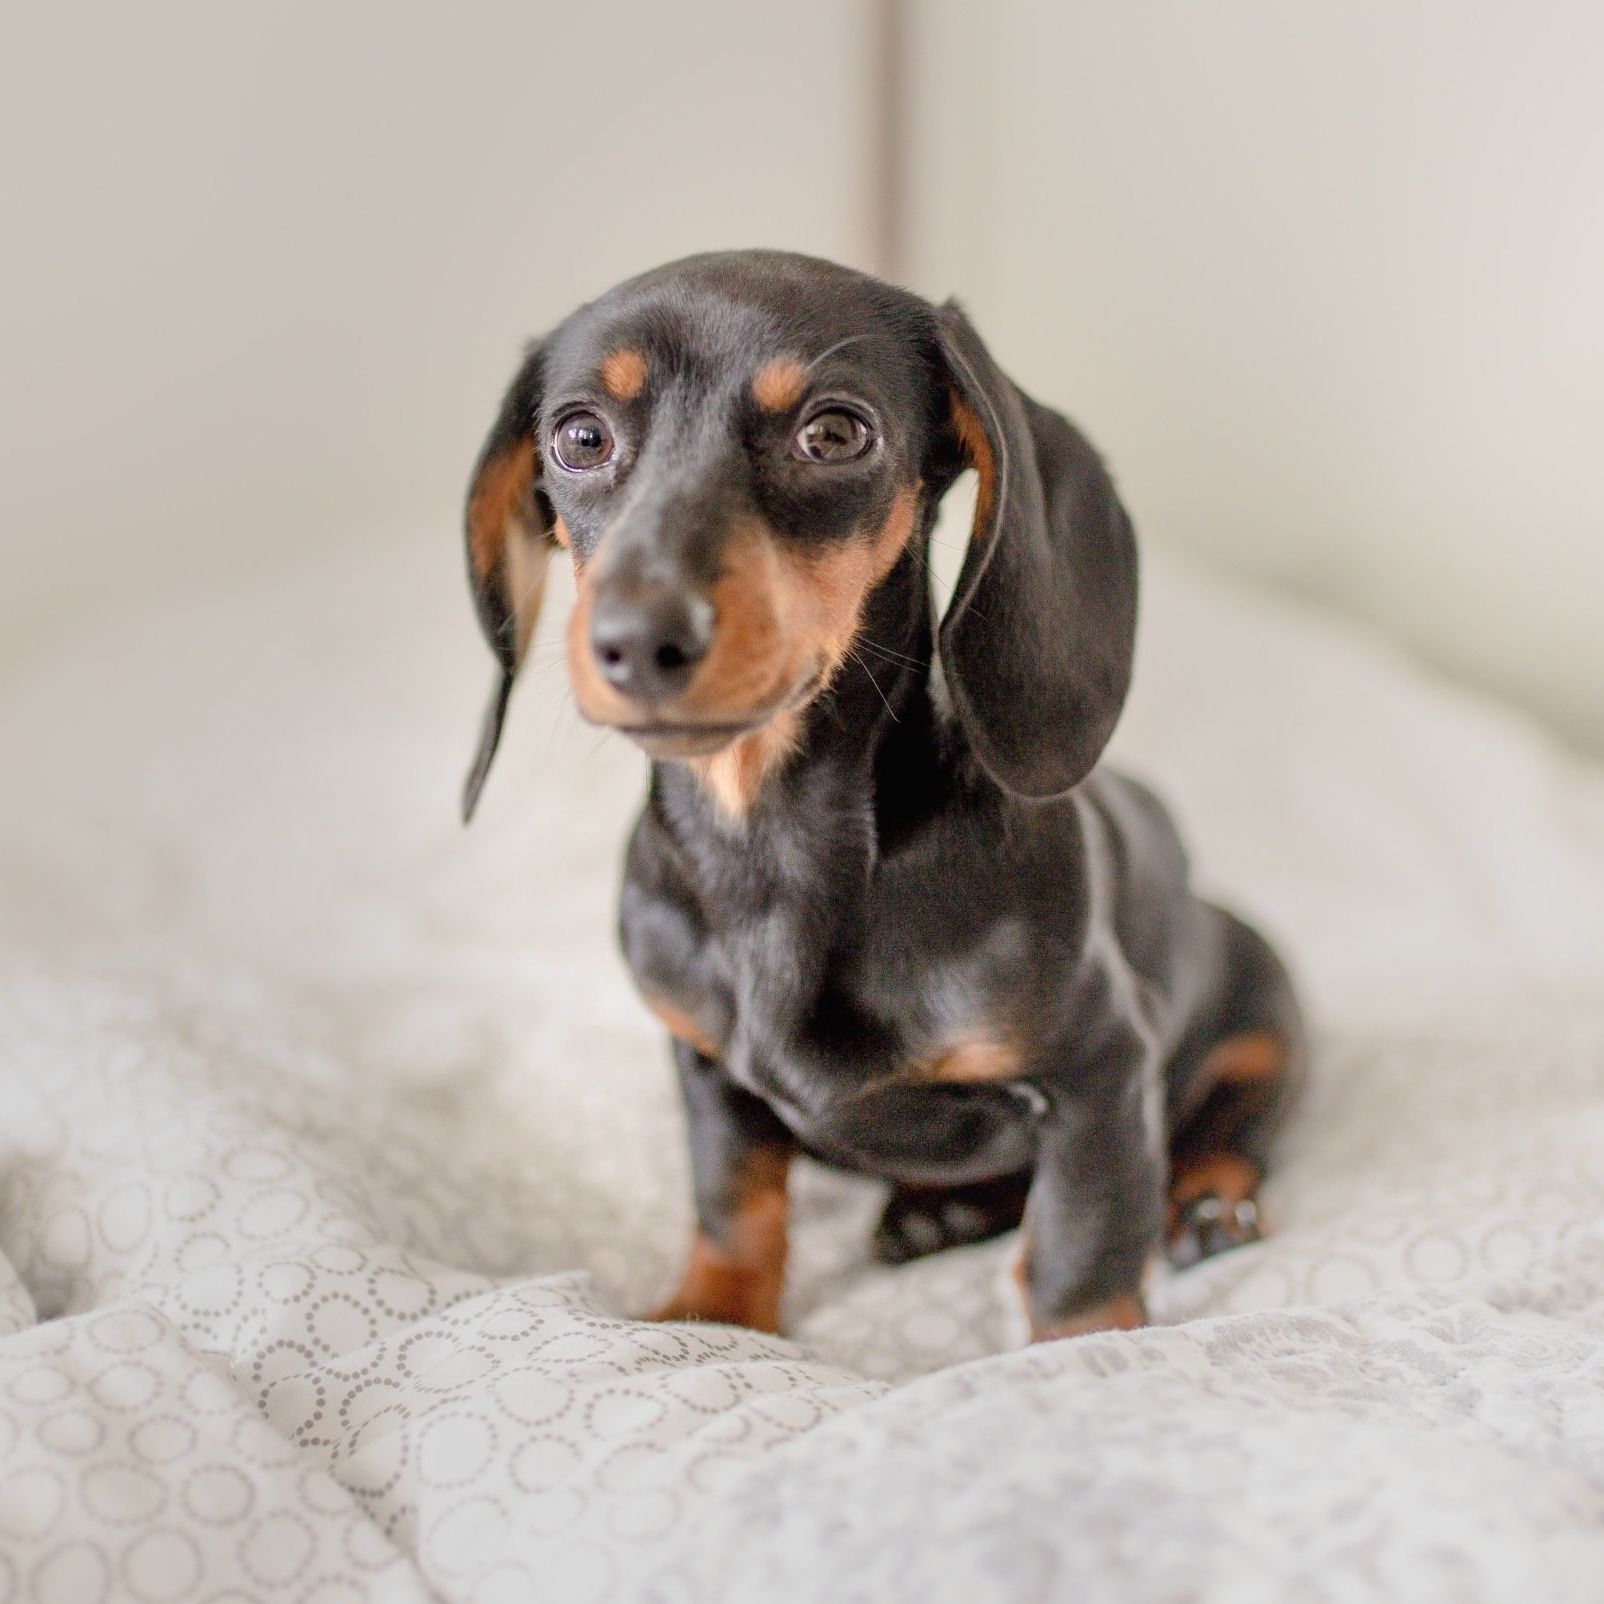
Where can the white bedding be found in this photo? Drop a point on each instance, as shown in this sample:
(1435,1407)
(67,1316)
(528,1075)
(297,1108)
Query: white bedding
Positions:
(334,1152)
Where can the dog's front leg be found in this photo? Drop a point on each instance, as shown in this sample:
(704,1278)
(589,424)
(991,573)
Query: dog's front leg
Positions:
(740,1158)
(1095,1213)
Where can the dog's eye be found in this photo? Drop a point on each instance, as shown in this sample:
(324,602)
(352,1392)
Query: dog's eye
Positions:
(582,440)
(833,436)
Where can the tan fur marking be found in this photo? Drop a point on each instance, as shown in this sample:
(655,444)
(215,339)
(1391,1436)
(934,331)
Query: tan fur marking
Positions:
(500,495)
(597,700)
(1227,1176)
(825,592)
(750,663)
(977,448)
(734,776)
(783,617)
(559,533)
(976,1059)
(502,548)
(524,576)
(1124,1313)
(623,374)
(777,385)
(746,670)
(739,1281)
(803,608)
(1255,1055)
(682,1027)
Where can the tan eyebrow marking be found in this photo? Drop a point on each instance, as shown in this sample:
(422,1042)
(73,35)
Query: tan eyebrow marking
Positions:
(777,385)
(623,374)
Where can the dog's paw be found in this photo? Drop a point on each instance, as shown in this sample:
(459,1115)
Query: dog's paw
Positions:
(920,1220)
(715,1288)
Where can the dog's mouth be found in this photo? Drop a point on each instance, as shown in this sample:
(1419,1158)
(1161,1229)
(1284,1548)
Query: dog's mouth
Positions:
(685,738)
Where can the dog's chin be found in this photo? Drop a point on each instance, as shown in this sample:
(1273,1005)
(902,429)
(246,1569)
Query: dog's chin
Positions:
(665,742)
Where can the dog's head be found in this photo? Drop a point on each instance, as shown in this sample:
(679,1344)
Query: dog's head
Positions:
(736,450)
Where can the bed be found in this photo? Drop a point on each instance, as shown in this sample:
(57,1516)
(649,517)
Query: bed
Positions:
(336,1155)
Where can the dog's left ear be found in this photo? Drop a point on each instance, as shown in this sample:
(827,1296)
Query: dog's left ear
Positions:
(1038,639)
(509,527)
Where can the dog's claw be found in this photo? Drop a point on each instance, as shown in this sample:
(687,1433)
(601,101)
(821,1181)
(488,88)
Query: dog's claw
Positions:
(1210,1225)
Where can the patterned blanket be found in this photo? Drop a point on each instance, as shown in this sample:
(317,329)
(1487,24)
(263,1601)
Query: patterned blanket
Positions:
(335,1155)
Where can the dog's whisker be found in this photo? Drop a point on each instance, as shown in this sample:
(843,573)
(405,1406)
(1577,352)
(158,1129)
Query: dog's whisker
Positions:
(542,668)
(876,683)
(899,665)
(840,345)
(554,729)
(889,653)
(896,664)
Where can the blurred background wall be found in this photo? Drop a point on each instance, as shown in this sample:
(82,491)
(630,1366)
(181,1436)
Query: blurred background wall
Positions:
(1325,280)
(1322,279)
(267,267)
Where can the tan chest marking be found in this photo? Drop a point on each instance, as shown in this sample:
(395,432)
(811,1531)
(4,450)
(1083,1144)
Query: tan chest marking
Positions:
(734,776)
(975,1058)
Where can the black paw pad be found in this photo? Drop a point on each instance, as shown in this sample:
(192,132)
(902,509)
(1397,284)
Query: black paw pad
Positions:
(921,1221)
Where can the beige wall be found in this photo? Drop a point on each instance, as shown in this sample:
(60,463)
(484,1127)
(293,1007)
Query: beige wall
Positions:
(1325,279)
(265,267)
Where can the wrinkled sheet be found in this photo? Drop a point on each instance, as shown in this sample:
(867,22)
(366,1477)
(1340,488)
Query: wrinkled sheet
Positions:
(335,1154)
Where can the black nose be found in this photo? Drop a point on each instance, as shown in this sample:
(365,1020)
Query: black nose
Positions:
(649,638)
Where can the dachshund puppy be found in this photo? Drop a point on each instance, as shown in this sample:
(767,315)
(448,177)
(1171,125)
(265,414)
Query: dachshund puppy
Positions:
(882,899)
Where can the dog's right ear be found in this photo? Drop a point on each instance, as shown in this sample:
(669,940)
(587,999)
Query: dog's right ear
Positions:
(510,538)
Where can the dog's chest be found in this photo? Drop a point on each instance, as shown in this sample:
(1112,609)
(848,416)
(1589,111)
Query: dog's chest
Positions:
(894,1055)
(837,982)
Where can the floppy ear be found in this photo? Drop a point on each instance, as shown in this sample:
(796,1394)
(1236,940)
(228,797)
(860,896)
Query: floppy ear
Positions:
(1038,638)
(509,528)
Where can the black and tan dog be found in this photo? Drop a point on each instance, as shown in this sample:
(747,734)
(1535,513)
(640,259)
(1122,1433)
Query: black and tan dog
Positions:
(888,911)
